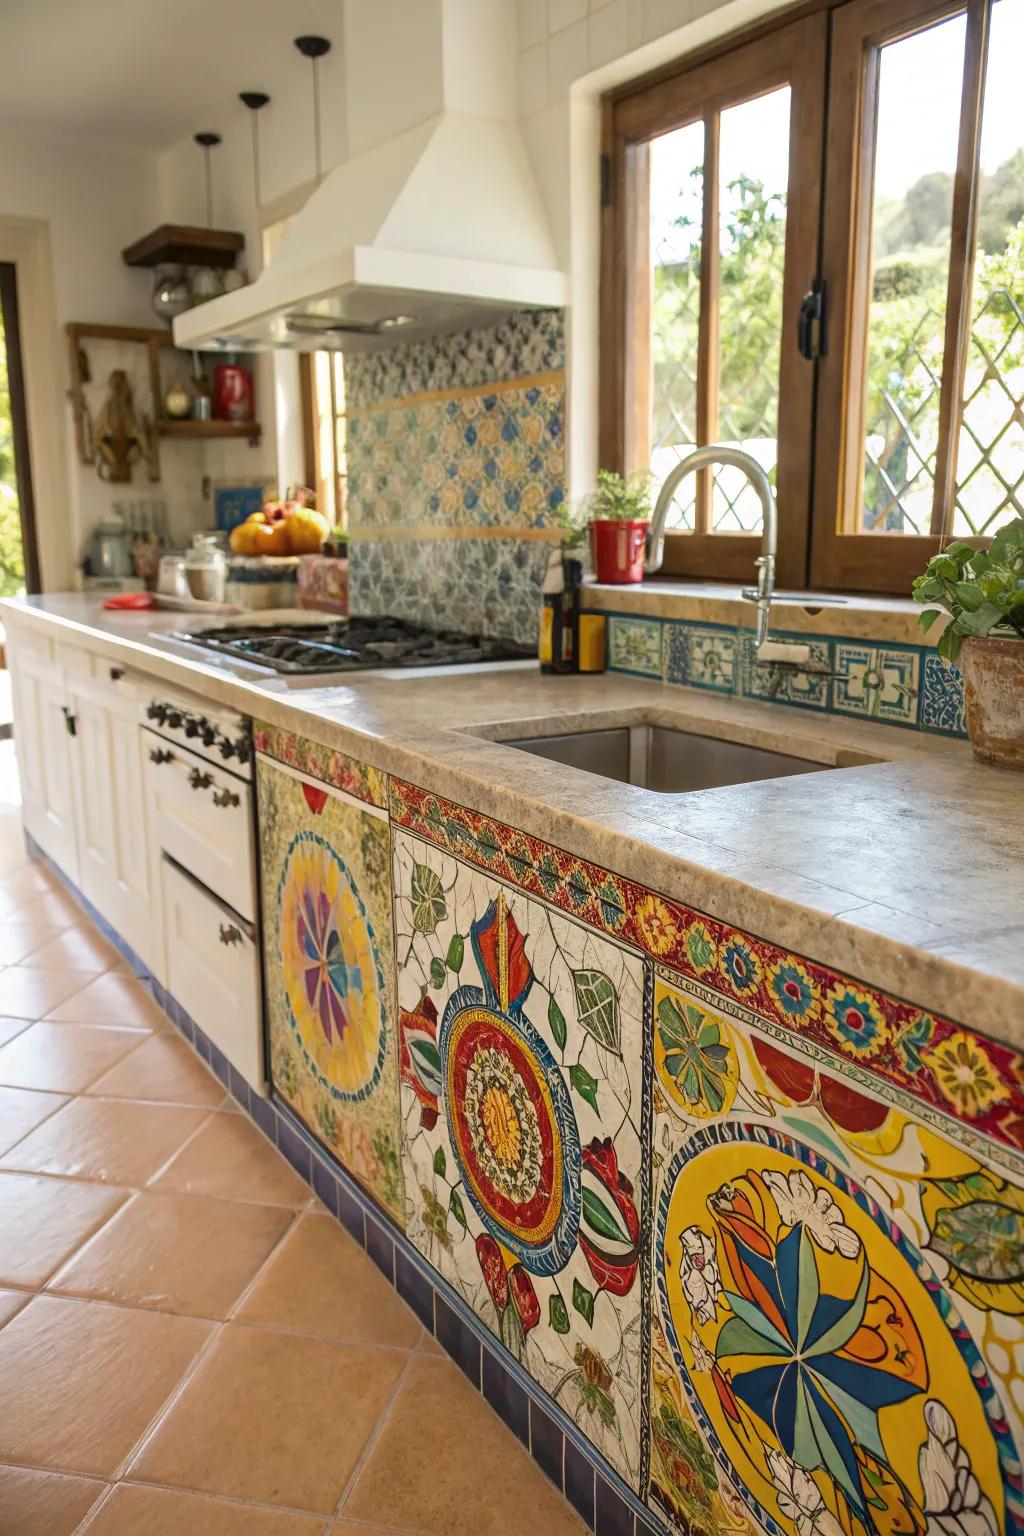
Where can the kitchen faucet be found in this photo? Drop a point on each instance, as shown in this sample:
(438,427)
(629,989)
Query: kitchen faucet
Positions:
(767,652)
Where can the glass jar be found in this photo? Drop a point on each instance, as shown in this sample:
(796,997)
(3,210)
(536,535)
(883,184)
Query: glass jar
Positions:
(206,567)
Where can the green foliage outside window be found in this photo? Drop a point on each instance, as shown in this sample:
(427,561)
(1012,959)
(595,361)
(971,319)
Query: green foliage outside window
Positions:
(12,562)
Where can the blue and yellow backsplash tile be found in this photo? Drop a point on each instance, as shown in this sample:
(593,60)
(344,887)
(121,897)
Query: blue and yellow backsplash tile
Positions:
(456,469)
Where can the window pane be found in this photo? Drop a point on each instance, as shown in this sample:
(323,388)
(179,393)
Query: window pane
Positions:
(676,183)
(753,176)
(990,489)
(920,83)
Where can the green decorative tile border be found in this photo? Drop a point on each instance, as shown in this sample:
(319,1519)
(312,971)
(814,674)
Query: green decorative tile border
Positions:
(905,685)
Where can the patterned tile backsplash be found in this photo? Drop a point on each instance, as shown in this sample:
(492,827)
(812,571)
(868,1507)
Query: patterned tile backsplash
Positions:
(456,462)
(906,685)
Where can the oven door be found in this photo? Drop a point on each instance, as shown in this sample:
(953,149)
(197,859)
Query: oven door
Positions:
(213,970)
(202,816)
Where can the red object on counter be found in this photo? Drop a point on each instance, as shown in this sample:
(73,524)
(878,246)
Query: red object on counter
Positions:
(618,545)
(129,600)
(232,393)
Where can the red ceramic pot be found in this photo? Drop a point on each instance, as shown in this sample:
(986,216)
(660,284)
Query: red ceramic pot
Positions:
(232,393)
(618,545)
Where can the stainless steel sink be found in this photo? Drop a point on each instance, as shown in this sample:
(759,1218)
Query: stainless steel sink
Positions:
(669,761)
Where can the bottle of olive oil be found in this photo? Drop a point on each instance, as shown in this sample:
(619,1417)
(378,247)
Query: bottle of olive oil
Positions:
(550,641)
(567,656)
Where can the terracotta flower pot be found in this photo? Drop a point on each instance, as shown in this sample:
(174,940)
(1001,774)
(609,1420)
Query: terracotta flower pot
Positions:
(618,545)
(993,671)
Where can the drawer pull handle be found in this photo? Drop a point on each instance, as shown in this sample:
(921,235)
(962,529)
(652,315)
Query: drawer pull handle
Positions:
(229,934)
(160,755)
(70,721)
(116,674)
(224,798)
(200,780)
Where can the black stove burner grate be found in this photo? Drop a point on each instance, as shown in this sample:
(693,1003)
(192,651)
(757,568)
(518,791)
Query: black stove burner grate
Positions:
(351,645)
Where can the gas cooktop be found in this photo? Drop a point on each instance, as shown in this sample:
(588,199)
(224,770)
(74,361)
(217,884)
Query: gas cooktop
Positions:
(349,645)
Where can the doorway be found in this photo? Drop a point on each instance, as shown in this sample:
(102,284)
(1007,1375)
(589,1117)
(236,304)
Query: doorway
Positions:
(19,559)
(19,564)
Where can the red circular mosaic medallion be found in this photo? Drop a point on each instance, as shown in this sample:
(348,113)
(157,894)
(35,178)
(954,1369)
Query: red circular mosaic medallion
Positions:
(504,1126)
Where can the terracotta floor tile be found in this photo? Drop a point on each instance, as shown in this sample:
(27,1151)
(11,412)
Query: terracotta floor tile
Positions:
(112,999)
(10,1303)
(62,1058)
(320,1281)
(21,1110)
(112,1140)
(44,1503)
(175,1253)
(273,1417)
(53,906)
(133,1510)
(43,1221)
(80,1383)
(448,1495)
(29,992)
(82,948)
(230,1159)
(163,1069)
(11,1027)
(23,880)
(18,940)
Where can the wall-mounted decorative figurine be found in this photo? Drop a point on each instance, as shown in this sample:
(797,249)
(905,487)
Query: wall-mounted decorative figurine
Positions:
(121,436)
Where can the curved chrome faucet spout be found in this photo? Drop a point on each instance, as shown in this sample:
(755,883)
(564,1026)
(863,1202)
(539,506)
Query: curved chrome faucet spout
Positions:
(704,458)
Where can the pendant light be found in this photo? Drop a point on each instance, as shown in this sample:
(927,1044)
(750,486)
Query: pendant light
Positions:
(206,142)
(313,49)
(254,100)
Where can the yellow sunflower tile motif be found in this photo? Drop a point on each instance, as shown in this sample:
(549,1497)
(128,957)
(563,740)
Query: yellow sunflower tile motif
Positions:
(328,958)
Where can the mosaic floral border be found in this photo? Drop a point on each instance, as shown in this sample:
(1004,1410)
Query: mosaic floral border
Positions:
(945,1067)
(905,685)
(357,779)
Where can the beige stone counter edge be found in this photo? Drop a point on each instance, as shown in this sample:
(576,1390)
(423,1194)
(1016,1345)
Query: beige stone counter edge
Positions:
(969,971)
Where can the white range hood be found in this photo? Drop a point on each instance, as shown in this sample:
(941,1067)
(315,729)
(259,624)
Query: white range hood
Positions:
(437,228)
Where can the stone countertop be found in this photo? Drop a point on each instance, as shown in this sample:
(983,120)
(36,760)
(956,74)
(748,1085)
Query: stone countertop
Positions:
(906,872)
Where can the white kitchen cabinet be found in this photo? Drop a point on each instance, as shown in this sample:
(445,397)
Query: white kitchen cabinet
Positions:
(44,746)
(117,868)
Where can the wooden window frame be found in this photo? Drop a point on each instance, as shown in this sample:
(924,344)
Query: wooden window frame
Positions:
(820,471)
(788,55)
(842,555)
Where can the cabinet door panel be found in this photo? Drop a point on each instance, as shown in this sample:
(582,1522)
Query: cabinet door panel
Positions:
(47,768)
(325,862)
(115,845)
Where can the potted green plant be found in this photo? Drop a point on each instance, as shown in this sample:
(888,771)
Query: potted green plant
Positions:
(982,592)
(619,510)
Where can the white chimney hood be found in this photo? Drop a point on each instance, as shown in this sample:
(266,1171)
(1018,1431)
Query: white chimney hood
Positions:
(437,228)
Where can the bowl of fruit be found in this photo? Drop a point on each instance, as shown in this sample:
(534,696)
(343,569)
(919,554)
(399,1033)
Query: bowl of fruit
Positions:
(266,548)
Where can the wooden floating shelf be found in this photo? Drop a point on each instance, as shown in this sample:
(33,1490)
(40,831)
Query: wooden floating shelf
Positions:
(185,245)
(189,428)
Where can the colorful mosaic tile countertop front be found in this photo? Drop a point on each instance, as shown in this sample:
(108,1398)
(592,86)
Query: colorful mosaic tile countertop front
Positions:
(907,871)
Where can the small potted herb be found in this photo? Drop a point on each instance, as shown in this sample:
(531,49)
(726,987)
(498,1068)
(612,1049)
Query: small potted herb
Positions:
(619,511)
(982,591)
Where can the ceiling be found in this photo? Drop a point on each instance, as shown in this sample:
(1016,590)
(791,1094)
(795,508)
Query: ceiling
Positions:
(143,74)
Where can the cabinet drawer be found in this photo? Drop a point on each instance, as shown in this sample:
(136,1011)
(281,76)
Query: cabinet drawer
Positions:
(202,817)
(213,971)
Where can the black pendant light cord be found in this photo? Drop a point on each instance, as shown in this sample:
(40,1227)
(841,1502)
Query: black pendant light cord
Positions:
(254,100)
(208,141)
(314,48)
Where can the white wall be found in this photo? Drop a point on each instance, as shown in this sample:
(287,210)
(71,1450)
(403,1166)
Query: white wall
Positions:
(94,203)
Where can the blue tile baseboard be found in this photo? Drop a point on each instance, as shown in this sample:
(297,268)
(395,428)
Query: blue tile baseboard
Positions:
(548,1433)
(905,685)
